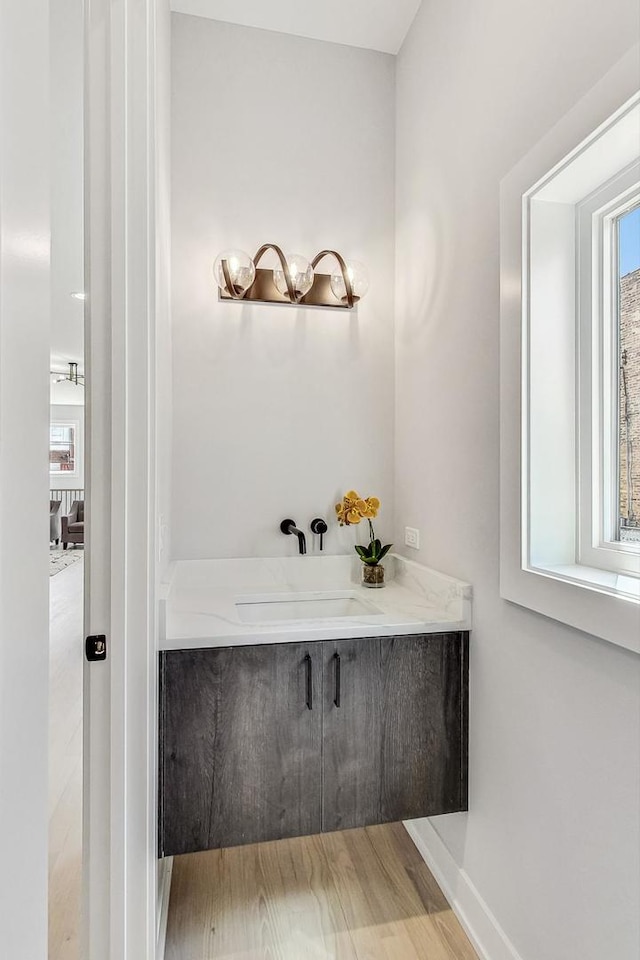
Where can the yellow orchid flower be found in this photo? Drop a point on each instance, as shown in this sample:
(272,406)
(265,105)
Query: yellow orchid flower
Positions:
(353,510)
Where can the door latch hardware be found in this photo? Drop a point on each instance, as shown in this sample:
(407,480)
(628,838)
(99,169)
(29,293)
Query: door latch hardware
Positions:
(96,648)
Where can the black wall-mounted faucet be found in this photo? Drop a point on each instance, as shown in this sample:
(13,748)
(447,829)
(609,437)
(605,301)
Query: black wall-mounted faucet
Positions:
(319,526)
(288,527)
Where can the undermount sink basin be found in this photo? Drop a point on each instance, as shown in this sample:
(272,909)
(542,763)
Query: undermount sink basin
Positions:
(300,606)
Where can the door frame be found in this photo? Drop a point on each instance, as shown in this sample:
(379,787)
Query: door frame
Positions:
(122,160)
(25,310)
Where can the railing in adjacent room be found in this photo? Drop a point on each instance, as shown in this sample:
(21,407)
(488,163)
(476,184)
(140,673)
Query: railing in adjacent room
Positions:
(66,497)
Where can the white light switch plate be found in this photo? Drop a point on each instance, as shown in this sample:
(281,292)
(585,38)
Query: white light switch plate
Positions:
(412,537)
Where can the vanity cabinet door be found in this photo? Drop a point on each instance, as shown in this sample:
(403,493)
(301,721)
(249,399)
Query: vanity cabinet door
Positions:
(395,743)
(240,750)
(353,693)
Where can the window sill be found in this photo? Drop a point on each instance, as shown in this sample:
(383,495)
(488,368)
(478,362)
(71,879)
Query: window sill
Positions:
(585,598)
(618,585)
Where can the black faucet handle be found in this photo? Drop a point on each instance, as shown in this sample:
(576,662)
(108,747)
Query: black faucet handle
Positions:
(319,526)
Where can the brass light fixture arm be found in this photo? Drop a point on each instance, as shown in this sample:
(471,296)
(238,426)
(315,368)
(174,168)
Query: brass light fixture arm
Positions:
(283,263)
(229,285)
(343,269)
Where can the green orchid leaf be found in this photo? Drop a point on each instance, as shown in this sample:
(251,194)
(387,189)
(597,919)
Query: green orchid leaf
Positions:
(385,551)
(374,548)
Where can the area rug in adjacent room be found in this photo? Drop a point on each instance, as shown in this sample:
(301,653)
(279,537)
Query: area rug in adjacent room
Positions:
(60,559)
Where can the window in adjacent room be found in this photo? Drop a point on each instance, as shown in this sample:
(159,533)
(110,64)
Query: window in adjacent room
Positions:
(62,448)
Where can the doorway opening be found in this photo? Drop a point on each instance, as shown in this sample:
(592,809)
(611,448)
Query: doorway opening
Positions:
(66,479)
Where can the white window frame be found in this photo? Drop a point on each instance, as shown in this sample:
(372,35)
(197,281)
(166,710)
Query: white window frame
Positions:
(64,474)
(594,600)
(598,493)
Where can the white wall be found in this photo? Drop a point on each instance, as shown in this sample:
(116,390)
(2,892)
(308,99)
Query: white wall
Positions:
(67,183)
(277,410)
(552,840)
(164,392)
(24,418)
(66,393)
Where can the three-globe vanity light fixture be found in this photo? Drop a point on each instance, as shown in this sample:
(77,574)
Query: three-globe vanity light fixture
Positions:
(294,280)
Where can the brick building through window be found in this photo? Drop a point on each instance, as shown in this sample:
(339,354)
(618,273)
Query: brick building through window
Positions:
(629,405)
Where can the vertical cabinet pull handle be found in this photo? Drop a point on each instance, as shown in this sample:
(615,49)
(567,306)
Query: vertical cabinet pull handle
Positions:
(309,665)
(336,699)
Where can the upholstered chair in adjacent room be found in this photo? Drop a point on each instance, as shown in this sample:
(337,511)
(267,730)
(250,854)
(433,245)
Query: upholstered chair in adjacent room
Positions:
(54,521)
(73,524)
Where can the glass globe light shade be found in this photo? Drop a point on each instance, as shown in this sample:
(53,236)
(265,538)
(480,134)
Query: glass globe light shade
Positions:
(301,275)
(242,271)
(359,276)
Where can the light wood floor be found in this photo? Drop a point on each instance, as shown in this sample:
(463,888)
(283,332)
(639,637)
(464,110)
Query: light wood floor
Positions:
(357,895)
(65,762)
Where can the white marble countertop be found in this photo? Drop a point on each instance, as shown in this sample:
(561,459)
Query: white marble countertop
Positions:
(201,609)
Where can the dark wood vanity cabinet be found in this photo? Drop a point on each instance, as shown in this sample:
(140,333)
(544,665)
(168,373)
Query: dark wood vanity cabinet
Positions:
(272,741)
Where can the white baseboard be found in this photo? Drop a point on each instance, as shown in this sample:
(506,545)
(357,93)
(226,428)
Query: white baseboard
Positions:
(482,928)
(166,869)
